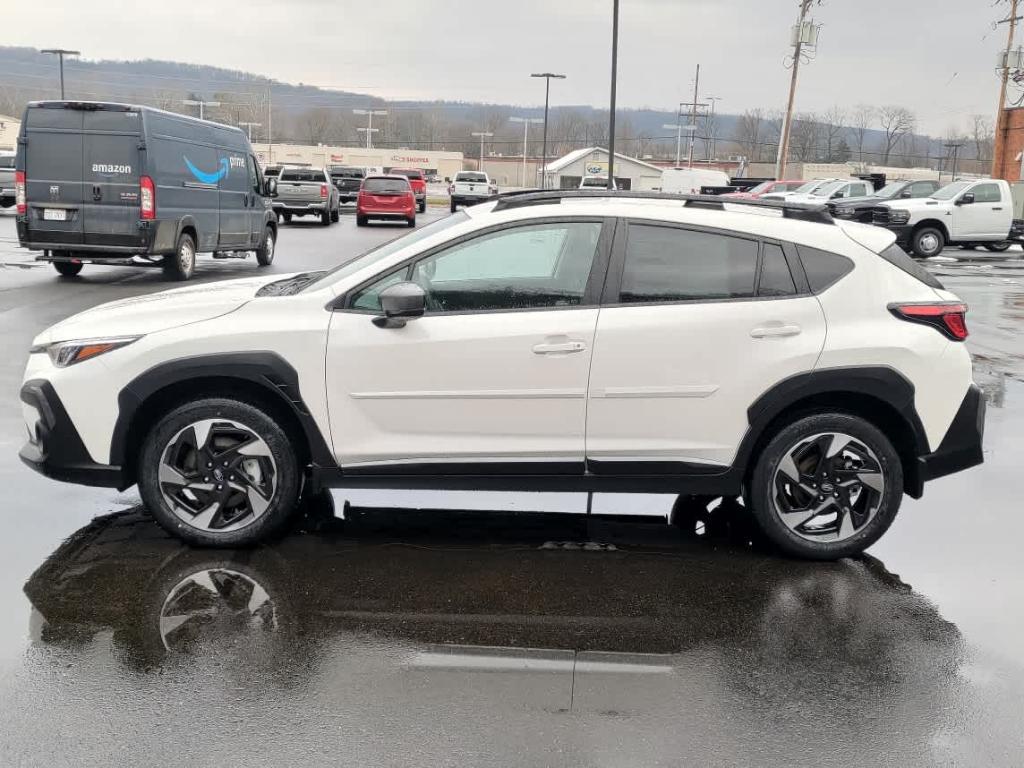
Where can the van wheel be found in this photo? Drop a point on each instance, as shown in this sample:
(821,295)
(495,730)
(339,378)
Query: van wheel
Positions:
(336,215)
(265,253)
(181,265)
(927,242)
(997,247)
(361,221)
(827,486)
(68,268)
(219,472)
(325,218)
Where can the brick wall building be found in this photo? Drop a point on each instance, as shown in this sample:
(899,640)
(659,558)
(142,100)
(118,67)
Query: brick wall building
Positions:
(1009,145)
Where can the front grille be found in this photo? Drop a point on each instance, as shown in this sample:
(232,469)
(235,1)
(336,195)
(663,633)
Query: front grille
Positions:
(880,216)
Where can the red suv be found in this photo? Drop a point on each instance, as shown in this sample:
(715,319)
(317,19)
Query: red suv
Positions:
(419,185)
(387,196)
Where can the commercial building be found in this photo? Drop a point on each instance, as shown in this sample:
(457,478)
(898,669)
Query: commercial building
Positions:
(630,173)
(445,164)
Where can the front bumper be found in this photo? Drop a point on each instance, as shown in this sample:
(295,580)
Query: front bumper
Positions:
(961,448)
(55,449)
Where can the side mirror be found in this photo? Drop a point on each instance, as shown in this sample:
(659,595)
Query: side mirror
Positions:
(966,199)
(905,194)
(270,186)
(400,302)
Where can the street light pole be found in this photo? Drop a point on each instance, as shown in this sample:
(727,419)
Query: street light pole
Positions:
(526,132)
(61,53)
(369,129)
(250,126)
(200,103)
(482,135)
(611,105)
(547,93)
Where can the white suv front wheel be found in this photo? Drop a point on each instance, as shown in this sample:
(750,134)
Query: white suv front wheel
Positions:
(827,486)
(219,473)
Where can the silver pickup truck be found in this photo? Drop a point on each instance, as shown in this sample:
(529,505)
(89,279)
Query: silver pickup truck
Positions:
(7,196)
(306,192)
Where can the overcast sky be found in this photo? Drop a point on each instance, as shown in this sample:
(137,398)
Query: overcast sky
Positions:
(935,56)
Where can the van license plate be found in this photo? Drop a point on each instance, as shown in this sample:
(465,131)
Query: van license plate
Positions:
(55,214)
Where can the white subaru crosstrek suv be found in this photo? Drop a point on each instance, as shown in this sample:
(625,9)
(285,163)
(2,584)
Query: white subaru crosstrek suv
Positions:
(555,341)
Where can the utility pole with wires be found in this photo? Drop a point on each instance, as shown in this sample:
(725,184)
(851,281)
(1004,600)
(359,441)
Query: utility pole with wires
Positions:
(270,129)
(804,36)
(60,53)
(369,130)
(249,126)
(1005,65)
(201,103)
(483,135)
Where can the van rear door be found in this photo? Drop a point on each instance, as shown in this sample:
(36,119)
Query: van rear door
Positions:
(111,171)
(53,175)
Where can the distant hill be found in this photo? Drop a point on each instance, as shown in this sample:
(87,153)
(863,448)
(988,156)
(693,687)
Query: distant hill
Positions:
(308,114)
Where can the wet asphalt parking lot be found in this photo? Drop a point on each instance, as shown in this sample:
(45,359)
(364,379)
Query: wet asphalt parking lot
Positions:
(472,638)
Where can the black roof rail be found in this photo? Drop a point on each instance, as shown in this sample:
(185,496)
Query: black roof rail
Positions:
(817,214)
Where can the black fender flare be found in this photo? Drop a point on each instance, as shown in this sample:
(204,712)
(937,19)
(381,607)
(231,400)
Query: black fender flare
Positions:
(268,370)
(183,222)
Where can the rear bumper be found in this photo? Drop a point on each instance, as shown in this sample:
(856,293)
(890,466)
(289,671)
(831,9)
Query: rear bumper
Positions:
(386,213)
(117,246)
(470,200)
(55,448)
(961,448)
(300,209)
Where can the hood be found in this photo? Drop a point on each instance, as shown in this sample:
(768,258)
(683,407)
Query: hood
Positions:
(157,311)
(850,202)
(915,203)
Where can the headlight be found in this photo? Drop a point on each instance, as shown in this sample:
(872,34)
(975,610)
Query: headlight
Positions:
(898,216)
(65,353)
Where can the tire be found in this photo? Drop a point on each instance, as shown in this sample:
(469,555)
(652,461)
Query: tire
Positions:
(325,219)
(422,208)
(361,221)
(247,499)
(411,222)
(68,268)
(265,252)
(848,522)
(997,247)
(927,242)
(181,265)
(454,207)
(287,218)
(336,215)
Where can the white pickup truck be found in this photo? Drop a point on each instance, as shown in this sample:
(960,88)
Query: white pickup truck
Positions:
(965,213)
(470,188)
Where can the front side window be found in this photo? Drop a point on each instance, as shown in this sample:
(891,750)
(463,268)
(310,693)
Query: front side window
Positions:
(536,266)
(254,176)
(671,264)
(986,193)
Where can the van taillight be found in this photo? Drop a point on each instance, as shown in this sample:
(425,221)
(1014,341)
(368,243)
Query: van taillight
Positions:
(947,317)
(323,191)
(147,198)
(19,191)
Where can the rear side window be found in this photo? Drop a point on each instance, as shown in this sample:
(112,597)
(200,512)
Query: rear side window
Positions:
(378,185)
(898,258)
(776,279)
(301,175)
(822,267)
(669,264)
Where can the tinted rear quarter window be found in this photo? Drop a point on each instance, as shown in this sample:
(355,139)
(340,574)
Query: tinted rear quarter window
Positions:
(776,279)
(898,258)
(669,264)
(822,267)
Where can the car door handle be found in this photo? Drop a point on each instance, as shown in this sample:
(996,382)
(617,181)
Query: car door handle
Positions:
(771,331)
(564,348)
(997,207)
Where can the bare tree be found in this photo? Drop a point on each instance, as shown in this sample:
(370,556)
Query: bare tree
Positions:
(982,136)
(833,128)
(897,122)
(862,120)
(748,132)
(805,137)
(314,125)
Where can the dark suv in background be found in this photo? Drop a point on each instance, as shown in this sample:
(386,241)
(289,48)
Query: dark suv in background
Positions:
(861,208)
(347,180)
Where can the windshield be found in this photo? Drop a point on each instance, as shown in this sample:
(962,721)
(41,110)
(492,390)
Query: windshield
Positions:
(471,177)
(386,186)
(300,175)
(827,189)
(7,161)
(891,190)
(950,191)
(764,186)
(386,249)
(807,187)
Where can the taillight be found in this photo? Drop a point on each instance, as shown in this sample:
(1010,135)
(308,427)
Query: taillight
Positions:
(147,198)
(19,191)
(947,317)
(323,191)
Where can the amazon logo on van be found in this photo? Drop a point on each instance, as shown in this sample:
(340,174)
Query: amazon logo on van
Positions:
(212,177)
(106,168)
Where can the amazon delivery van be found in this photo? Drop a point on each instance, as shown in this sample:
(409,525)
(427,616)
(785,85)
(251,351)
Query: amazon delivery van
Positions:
(120,184)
